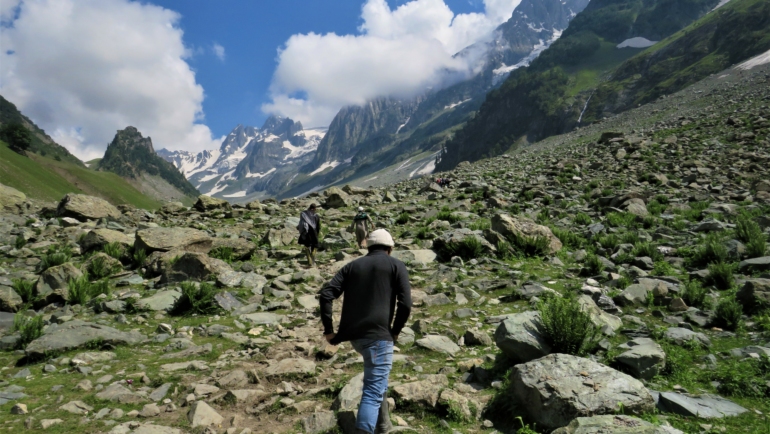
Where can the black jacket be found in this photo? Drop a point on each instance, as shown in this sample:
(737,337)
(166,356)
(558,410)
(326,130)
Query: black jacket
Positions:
(373,286)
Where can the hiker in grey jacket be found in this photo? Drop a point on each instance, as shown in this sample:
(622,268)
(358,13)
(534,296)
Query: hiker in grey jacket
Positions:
(309,228)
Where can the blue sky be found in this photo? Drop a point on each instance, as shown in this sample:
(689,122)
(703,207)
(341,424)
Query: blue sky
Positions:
(185,72)
(251,32)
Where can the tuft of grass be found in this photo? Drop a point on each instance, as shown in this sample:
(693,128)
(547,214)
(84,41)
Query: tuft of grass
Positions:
(663,268)
(530,246)
(446,215)
(224,253)
(568,237)
(694,294)
(593,264)
(403,218)
(29,328)
(582,219)
(623,220)
(25,289)
(99,269)
(81,290)
(609,241)
(721,275)
(566,328)
(746,229)
(480,225)
(55,256)
(630,237)
(711,251)
(756,248)
(196,299)
(727,314)
(19,242)
(469,248)
(138,257)
(647,249)
(114,249)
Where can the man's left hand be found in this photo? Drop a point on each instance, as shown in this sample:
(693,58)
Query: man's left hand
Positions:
(329,337)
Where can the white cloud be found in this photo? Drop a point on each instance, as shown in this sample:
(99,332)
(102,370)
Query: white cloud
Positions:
(219,51)
(83,69)
(397,53)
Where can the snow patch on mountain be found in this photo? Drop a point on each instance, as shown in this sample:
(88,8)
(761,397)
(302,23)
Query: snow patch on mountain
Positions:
(324,166)
(260,175)
(503,71)
(637,42)
(298,151)
(755,61)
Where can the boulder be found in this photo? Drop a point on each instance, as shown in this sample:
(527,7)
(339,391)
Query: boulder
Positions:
(336,198)
(241,248)
(754,264)
(201,414)
(441,344)
(704,407)
(118,393)
(193,266)
(558,388)
(96,239)
(280,237)
(448,242)
(53,284)
(680,336)
(424,392)
(172,207)
(208,203)
(168,239)
(415,257)
(76,407)
(82,207)
(476,338)
(161,300)
(510,226)
(10,301)
(617,424)
(599,317)
(291,366)
(519,337)
(319,422)
(531,289)
(634,295)
(643,359)
(754,295)
(11,200)
(261,318)
(76,334)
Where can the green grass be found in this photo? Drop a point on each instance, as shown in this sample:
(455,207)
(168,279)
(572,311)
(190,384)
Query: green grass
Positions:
(46,179)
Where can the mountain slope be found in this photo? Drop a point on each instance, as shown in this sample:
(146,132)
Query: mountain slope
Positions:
(42,144)
(549,96)
(132,156)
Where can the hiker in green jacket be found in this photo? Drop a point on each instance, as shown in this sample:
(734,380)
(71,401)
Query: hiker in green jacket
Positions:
(361,225)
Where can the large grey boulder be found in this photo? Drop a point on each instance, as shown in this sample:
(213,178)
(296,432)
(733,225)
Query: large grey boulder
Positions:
(510,226)
(319,422)
(201,414)
(83,207)
(415,257)
(96,239)
(754,295)
(76,334)
(336,198)
(634,295)
(531,289)
(168,239)
(558,388)
(350,395)
(118,393)
(9,299)
(643,359)
(681,336)
(520,338)
(280,237)
(704,407)
(208,203)
(11,200)
(193,266)
(424,392)
(440,344)
(616,424)
(599,317)
(241,248)
(53,284)
(291,366)
(161,300)
(447,242)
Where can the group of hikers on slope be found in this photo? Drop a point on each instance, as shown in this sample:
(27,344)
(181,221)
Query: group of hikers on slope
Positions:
(375,309)
(310,228)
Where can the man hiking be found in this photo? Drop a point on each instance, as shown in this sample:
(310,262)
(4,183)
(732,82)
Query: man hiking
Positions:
(361,224)
(309,227)
(376,289)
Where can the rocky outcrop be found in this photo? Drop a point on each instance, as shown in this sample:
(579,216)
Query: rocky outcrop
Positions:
(520,338)
(75,334)
(82,207)
(514,226)
(11,200)
(168,239)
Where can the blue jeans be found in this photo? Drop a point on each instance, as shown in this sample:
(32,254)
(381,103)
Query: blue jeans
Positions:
(378,359)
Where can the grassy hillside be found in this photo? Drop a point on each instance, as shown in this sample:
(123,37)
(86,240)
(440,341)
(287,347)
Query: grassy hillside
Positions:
(41,144)
(47,179)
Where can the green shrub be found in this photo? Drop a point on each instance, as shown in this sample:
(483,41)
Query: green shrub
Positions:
(527,195)
(403,218)
(593,264)
(678,223)
(617,219)
(20,241)
(423,233)
(138,257)
(711,251)
(747,229)
(582,219)
(662,268)
(196,299)
(29,328)
(480,225)
(694,294)
(224,253)
(649,222)
(79,290)
(745,378)
(630,237)
(543,217)
(757,247)
(647,249)
(530,246)
(568,238)
(609,241)
(721,275)
(25,289)
(98,268)
(447,215)
(565,327)
(695,213)
(504,250)
(547,200)
(468,248)
(662,199)
(514,209)
(114,249)
(727,314)
(55,256)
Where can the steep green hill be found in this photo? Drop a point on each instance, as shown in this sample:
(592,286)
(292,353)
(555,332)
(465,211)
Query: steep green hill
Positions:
(47,179)
(41,144)
(130,155)
(549,96)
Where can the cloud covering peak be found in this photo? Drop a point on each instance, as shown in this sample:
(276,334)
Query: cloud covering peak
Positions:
(83,69)
(398,52)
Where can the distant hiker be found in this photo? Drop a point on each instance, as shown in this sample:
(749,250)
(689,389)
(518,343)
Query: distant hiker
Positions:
(309,227)
(375,286)
(361,225)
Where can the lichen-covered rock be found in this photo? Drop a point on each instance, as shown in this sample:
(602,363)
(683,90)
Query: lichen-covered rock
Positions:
(83,207)
(96,239)
(11,200)
(168,239)
(208,203)
(510,226)
(519,337)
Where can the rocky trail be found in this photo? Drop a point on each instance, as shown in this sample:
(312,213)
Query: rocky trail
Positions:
(645,236)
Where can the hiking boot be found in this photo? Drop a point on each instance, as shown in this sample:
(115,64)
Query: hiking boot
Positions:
(384,425)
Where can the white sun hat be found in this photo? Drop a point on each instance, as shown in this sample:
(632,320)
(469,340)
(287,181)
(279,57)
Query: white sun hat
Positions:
(361,209)
(380,237)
